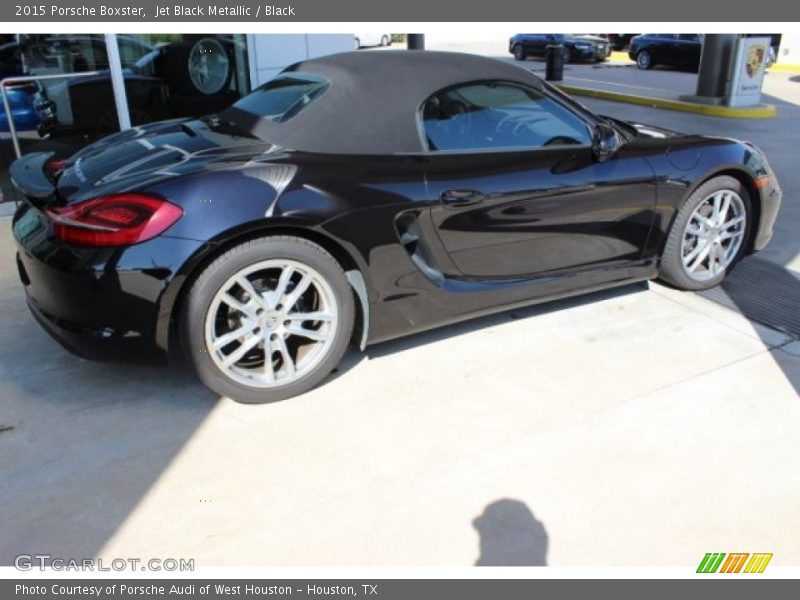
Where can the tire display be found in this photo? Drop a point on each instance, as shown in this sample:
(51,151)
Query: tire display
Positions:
(197,67)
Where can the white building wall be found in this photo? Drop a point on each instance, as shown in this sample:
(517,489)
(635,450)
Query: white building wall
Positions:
(272,52)
(789,52)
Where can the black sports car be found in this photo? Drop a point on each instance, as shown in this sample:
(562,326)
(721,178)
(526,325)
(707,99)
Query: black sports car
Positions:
(575,47)
(361,197)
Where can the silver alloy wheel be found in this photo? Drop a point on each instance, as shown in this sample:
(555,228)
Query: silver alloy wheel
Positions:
(271,323)
(643,60)
(713,235)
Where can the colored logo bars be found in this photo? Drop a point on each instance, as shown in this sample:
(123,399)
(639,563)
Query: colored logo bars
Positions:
(713,562)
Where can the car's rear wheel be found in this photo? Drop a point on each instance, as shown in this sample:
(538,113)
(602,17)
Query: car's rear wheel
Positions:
(708,235)
(519,52)
(567,56)
(385,40)
(643,60)
(268,320)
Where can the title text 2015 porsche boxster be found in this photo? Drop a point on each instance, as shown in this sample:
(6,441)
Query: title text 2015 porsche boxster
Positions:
(361,197)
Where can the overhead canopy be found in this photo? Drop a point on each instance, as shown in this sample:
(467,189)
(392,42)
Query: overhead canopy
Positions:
(372,104)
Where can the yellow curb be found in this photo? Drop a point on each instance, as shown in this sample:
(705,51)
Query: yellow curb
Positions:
(619,55)
(785,68)
(763,111)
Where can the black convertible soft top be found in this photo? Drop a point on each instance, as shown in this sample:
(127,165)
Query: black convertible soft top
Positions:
(372,104)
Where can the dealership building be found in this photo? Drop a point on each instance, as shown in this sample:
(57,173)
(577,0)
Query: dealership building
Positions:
(76,96)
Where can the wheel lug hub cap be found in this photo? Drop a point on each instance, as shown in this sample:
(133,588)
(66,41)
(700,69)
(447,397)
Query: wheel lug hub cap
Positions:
(270,321)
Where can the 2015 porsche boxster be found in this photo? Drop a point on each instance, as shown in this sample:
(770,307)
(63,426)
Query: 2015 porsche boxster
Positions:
(361,197)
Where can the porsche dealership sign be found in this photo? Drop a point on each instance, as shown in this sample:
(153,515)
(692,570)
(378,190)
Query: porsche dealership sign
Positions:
(750,66)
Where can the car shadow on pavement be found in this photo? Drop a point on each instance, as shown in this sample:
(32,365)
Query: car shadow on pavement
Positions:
(767,294)
(354,356)
(440,333)
(82,443)
(510,536)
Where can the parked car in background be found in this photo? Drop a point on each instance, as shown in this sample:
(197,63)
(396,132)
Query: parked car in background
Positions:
(680,50)
(576,47)
(366,40)
(30,106)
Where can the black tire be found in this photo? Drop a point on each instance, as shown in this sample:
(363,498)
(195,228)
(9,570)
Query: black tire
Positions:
(193,315)
(567,54)
(671,269)
(519,52)
(644,61)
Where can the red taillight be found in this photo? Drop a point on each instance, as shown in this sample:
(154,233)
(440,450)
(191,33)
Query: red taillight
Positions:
(119,220)
(55,166)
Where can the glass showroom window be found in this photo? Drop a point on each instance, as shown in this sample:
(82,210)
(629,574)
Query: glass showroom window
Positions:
(199,75)
(166,76)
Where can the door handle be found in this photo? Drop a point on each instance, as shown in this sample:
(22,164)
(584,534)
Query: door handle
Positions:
(461,197)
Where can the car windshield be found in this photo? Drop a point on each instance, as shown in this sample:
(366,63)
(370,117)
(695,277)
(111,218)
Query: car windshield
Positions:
(283,97)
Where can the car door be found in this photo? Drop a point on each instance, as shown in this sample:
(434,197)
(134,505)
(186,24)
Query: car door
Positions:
(665,50)
(517,191)
(536,43)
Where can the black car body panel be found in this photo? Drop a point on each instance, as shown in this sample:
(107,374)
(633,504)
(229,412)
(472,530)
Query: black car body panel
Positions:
(531,225)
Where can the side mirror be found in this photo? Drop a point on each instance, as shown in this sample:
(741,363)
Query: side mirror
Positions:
(606,141)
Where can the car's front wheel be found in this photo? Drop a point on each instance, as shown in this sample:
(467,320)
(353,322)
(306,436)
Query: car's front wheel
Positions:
(708,235)
(268,319)
(519,52)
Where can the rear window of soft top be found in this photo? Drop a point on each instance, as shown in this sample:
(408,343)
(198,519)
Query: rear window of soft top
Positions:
(283,97)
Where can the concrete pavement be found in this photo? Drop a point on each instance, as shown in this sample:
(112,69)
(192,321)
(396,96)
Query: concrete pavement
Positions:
(634,427)
(642,426)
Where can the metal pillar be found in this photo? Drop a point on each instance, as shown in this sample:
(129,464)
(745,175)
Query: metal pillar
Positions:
(716,69)
(118,81)
(415,41)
